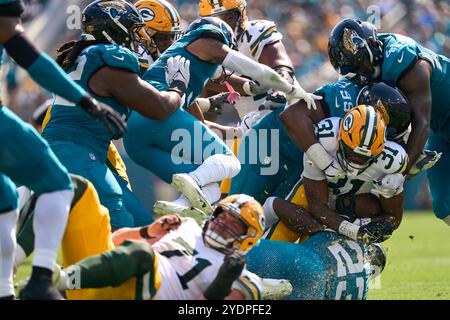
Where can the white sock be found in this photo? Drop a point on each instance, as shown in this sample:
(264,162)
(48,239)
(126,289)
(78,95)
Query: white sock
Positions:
(19,256)
(49,224)
(216,168)
(183,201)
(212,192)
(7,246)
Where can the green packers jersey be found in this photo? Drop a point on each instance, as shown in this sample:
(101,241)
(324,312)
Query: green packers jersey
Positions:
(201,71)
(400,54)
(70,123)
(338,97)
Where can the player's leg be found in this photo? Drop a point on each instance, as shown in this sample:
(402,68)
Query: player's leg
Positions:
(439,177)
(87,165)
(8,218)
(130,262)
(28,160)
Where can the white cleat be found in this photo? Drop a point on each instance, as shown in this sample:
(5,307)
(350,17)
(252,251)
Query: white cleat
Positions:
(275,289)
(163,208)
(184,183)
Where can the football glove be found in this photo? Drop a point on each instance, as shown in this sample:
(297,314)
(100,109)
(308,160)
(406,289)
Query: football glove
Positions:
(299,93)
(375,231)
(115,123)
(425,161)
(274,101)
(178,74)
(249,120)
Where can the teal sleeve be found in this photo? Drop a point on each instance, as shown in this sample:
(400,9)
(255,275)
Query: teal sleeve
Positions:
(51,77)
(398,60)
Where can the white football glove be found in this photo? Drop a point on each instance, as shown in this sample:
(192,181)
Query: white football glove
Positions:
(274,101)
(299,93)
(177,69)
(391,185)
(249,120)
(425,161)
(253,88)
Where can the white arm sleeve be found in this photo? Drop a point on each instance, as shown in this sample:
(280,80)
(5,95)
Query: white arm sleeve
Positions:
(236,61)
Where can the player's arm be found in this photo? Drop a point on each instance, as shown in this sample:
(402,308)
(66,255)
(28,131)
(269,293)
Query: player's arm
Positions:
(130,90)
(215,51)
(296,218)
(392,210)
(275,56)
(415,84)
(151,233)
(50,76)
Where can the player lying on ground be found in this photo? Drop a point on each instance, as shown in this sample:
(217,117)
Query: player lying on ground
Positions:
(27,158)
(88,234)
(101,62)
(360,54)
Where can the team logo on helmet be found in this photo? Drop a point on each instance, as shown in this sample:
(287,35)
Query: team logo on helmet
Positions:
(352,41)
(147,14)
(348,122)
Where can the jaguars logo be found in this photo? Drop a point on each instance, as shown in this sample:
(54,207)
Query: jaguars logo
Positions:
(147,14)
(379,106)
(352,42)
(113,8)
(348,123)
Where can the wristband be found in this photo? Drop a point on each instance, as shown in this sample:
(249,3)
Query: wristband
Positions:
(269,212)
(319,156)
(204,104)
(349,229)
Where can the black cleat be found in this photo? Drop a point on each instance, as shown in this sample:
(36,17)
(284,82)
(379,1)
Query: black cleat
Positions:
(40,291)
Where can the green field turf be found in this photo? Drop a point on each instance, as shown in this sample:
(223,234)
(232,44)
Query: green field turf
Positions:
(418,264)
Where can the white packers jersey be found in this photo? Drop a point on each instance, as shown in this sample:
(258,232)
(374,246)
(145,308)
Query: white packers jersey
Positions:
(251,42)
(391,160)
(187,267)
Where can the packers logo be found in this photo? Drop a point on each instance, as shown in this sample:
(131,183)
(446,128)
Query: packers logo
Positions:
(348,123)
(147,14)
(352,42)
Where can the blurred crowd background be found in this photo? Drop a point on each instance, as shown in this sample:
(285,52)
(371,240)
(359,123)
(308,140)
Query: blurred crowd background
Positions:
(305,25)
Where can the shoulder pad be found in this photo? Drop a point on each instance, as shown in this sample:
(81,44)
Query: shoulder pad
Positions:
(399,55)
(338,97)
(116,56)
(258,34)
(393,159)
(327,132)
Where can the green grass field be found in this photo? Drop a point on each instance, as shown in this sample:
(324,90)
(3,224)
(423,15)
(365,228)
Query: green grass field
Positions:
(418,263)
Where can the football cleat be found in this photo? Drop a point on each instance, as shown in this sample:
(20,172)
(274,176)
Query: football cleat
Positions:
(275,289)
(185,184)
(163,208)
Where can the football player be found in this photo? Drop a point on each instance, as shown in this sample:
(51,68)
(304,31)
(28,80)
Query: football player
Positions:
(360,54)
(103,63)
(26,158)
(201,160)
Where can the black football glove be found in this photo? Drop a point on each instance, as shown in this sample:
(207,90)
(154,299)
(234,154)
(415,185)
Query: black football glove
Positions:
(115,123)
(375,231)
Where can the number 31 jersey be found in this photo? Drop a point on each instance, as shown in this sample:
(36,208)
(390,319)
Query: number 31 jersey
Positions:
(187,267)
(393,159)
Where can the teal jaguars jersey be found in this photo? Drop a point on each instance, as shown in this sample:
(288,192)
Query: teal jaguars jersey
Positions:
(1,63)
(201,71)
(70,123)
(338,97)
(400,53)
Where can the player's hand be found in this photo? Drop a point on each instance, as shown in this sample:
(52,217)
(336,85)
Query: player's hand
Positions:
(334,171)
(178,74)
(249,120)
(299,93)
(375,231)
(115,123)
(232,267)
(425,161)
(274,101)
(254,88)
(389,186)
(217,101)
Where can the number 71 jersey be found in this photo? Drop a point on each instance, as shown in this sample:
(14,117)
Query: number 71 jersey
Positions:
(187,267)
(393,159)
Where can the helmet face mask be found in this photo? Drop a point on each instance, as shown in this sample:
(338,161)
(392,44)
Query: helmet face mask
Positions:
(116,22)
(237,223)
